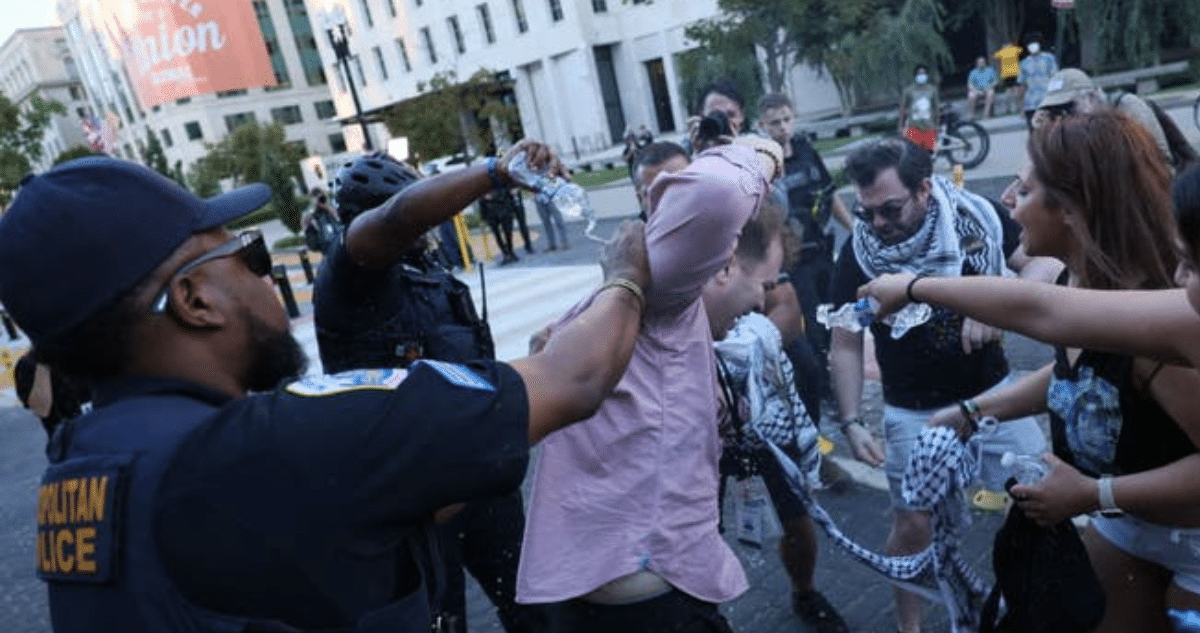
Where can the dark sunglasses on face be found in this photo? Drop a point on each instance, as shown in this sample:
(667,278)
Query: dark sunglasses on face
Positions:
(248,246)
(889,211)
(1061,110)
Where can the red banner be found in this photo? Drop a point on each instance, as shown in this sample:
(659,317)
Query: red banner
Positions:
(181,48)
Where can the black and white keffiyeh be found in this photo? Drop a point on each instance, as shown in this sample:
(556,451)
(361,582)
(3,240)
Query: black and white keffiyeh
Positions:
(959,227)
(939,468)
(761,374)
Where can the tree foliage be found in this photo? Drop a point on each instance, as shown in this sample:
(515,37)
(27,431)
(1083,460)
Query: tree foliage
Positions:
(154,157)
(21,131)
(78,151)
(255,153)
(449,117)
(1131,32)
(768,27)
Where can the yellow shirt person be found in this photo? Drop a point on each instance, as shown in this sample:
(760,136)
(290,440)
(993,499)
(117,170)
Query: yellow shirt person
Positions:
(1009,63)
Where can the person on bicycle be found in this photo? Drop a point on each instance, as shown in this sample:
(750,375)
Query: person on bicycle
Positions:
(919,110)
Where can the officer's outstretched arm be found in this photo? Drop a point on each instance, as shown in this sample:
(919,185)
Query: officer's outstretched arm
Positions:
(584,360)
(379,237)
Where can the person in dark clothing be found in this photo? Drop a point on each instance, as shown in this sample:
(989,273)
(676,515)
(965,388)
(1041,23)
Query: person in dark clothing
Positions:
(392,314)
(210,490)
(498,211)
(50,395)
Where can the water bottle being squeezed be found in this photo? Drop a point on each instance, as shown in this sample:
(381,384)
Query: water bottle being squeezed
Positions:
(1027,469)
(569,198)
(860,314)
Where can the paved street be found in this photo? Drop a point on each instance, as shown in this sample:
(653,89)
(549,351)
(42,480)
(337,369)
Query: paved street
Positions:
(521,298)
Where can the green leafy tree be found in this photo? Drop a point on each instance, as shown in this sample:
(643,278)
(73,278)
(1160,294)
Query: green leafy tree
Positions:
(203,179)
(896,39)
(71,153)
(256,153)
(449,116)
(153,155)
(21,131)
(1131,32)
(765,27)
(701,66)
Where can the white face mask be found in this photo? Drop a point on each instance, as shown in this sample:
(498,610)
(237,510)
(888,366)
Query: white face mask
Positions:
(922,78)
(1033,48)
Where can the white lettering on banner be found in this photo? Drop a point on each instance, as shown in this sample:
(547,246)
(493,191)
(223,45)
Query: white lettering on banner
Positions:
(186,40)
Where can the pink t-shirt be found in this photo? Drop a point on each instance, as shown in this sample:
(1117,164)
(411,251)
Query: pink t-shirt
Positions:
(635,487)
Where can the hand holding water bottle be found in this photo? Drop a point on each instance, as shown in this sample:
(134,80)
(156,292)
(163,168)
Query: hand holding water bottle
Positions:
(551,180)
(1062,493)
(891,292)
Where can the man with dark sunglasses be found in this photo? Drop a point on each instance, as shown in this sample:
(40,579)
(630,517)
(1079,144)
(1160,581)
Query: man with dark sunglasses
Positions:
(907,219)
(210,489)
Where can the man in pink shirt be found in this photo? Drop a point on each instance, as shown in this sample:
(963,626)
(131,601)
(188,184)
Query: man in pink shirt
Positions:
(623,520)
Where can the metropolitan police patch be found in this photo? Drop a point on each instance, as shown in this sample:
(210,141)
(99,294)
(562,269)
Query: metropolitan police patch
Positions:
(78,519)
(352,380)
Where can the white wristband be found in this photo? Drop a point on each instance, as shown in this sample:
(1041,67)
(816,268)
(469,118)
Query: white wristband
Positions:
(1108,505)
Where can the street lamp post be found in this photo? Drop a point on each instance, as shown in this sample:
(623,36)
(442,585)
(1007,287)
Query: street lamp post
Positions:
(335,28)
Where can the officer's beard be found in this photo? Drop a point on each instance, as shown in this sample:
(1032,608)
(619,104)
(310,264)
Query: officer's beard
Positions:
(275,356)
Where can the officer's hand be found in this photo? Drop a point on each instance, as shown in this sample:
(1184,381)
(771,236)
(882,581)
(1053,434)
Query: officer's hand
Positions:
(539,155)
(625,254)
(952,417)
(863,445)
(1062,494)
(538,341)
(975,335)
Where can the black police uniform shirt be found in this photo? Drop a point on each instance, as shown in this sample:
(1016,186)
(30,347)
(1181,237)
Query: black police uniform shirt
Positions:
(293,506)
(927,368)
(809,189)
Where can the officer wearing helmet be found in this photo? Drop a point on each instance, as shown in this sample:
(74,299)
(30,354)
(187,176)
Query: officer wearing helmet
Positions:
(374,310)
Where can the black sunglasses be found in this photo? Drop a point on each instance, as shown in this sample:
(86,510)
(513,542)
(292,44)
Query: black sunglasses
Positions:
(889,211)
(249,246)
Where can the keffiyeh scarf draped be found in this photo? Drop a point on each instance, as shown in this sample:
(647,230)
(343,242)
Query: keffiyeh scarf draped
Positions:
(959,227)
(762,376)
(939,468)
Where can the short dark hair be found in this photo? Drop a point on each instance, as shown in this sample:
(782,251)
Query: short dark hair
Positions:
(773,100)
(657,153)
(724,87)
(1186,195)
(913,163)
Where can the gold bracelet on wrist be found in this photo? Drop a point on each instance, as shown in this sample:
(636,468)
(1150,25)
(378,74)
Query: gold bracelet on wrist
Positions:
(621,282)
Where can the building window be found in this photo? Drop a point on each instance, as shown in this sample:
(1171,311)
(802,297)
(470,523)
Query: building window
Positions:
(427,37)
(379,60)
(325,109)
(82,112)
(418,2)
(306,43)
(599,6)
(337,143)
(166,137)
(362,79)
(367,14)
(282,79)
(403,48)
(391,5)
(287,115)
(224,94)
(556,12)
(340,73)
(234,121)
(485,22)
(456,34)
(192,129)
(519,11)
(183,101)
(76,93)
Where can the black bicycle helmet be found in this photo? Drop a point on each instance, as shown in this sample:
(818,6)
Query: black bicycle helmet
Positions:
(366,182)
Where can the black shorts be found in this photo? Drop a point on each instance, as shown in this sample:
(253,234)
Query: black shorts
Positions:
(1006,84)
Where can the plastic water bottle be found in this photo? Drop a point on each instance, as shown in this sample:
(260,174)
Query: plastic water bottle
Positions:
(1028,469)
(569,198)
(858,315)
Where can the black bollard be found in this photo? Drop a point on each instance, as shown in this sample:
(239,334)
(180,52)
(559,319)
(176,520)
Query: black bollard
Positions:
(9,326)
(279,274)
(307,266)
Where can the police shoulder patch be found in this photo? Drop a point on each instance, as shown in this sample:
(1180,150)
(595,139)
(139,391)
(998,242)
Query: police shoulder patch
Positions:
(79,519)
(353,380)
(458,375)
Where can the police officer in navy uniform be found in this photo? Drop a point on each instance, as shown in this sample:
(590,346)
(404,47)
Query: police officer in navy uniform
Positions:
(198,495)
(391,315)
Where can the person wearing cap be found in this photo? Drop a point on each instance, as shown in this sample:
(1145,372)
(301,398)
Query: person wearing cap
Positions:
(623,518)
(1072,91)
(210,490)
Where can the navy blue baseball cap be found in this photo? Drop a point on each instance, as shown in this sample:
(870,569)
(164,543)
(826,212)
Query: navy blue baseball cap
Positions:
(80,235)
